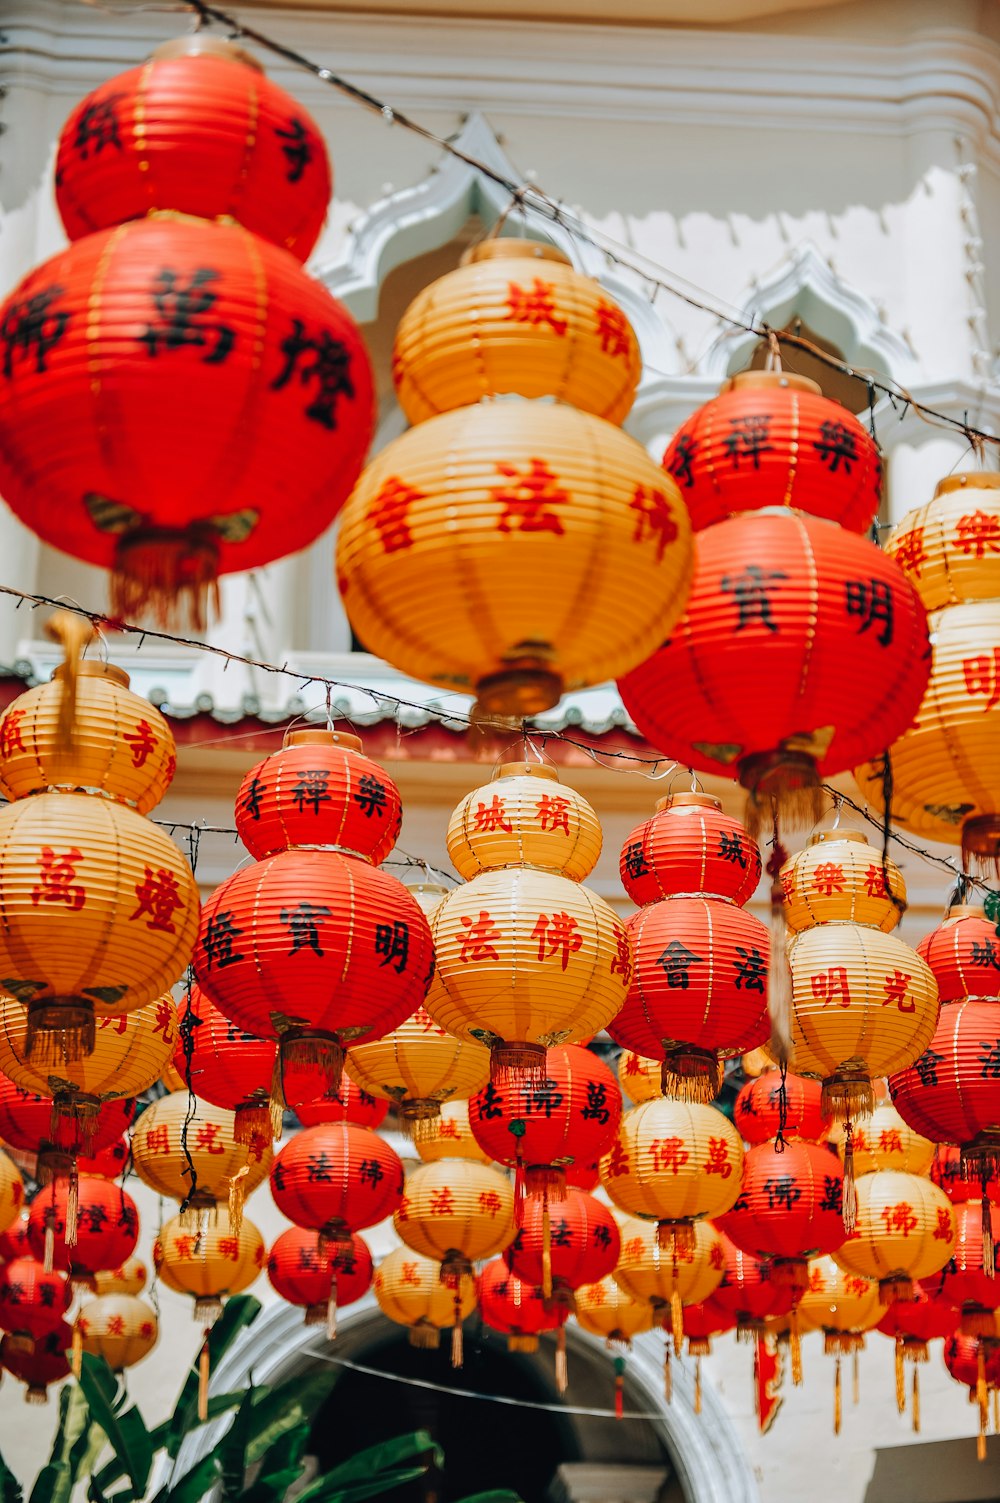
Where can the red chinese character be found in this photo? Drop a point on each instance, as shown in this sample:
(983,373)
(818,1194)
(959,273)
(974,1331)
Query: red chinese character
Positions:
(403,1213)
(207,1137)
(229,1247)
(978,533)
(490,1201)
(597,1295)
(159,898)
(787,886)
(492,816)
(442,1202)
(717,1257)
(618,1162)
(552,813)
(184,1249)
(909,551)
(57,883)
(632,1065)
(900,1218)
(388,513)
(448,1128)
(142,741)
(556,935)
(654,516)
(718,1158)
(875,883)
(828,878)
(621,965)
(118,1024)
(943,1229)
(535,305)
(668,1153)
(257,1147)
(116,1325)
(163,1023)
(476,944)
(410,1275)
(633,1249)
(815,1280)
(890,1140)
(170,768)
(832,986)
(613,330)
(982,676)
(895,991)
(10,732)
(158,1139)
(423,1020)
(528,500)
(147,1330)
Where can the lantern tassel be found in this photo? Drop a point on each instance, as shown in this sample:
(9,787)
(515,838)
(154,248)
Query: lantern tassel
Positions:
(677,1319)
(59,1032)
(48,1257)
(668,1374)
(424,1336)
(76,1351)
(72,1204)
(900,1377)
(562,1367)
(36,1395)
(331,1311)
(261,1120)
(204,1373)
(837,1400)
(779,974)
(72,634)
(697,1385)
(916,1400)
(855,1379)
(519,1183)
(795,1346)
(546,1247)
(850,1197)
(457,1344)
(237,1198)
(989,1248)
(619,1388)
(170,574)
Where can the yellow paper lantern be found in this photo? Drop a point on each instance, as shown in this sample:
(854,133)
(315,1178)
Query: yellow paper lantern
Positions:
(668,1281)
(841,1304)
(456,1211)
(516,550)
(639,1078)
(949,546)
(129,1278)
(161,1158)
(172,1079)
(449,1136)
(527,958)
(515,318)
(417,1067)
(674,1162)
(209,1263)
(885,1141)
(839,877)
(121,744)
(118,1327)
(605,1309)
(520,819)
(11,1192)
(409,1290)
(905,1230)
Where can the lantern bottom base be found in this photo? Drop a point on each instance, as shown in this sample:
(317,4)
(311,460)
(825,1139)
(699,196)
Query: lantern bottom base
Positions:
(842,1343)
(35,1395)
(914,1349)
(315,1315)
(54,1164)
(699,1346)
(896,1289)
(83,1111)
(521,690)
(689,1074)
(419,1118)
(783,788)
(174,575)
(425,1336)
(207,1309)
(790,1273)
(981,843)
(513,1064)
(545,1181)
(258,1121)
(980,1159)
(318,1055)
(522,1343)
(848,1093)
(60,1032)
(676,1238)
(334,1238)
(976,1320)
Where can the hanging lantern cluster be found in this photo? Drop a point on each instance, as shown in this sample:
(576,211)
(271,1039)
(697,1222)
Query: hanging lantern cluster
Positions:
(313,945)
(578,544)
(698,993)
(166,364)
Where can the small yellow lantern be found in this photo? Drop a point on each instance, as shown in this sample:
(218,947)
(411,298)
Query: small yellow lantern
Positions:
(168,1134)
(840,877)
(456,1211)
(118,1327)
(209,1263)
(905,1231)
(552,828)
(449,1136)
(639,1078)
(885,1141)
(607,1310)
(417,1067)
(129,1278)
(669,1281)
(843,1306)
(409,1290)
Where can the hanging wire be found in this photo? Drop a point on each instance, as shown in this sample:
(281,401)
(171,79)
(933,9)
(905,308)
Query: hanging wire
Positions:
(186,1030)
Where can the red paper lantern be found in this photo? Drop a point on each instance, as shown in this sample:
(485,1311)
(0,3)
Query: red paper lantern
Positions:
(105,1234)
(584,1242)
(32,1302)
(349,1103)
(770,436)
(702,1322)
(108,1162)
(337,1178)
(790,1207)
(946,1172)
(161,378)
(749,1293)
(517,1308)
(921,1319)
(41,1366)
(30,1123)
(964,954)
(14,1242)
(323,1278)
(949,1093)
(972,1360)
(583,1176)
(757,1112)
(226,1066)
(570,1114)
(198,129)
(963,1281)
(689,845)
(314,945)
(802,646)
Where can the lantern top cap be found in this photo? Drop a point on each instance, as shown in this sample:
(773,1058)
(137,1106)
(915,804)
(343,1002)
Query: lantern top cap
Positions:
(787,379)
(203,44)
(527,770)
(96,670)
(320,736)
(976,480)
(688,801)
(507,248)
(858,836)
(965,910)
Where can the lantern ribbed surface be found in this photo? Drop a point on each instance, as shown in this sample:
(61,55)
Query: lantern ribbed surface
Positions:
(885,1141)
(839,877)
(748,1291)
(964,954)
(349,1103)
(962,1359)
(118,1327)
(948,546)
(962,1280)
(336,1178)
(418,1066)
(14,1241)
(923,1318)
(757,1109)
(197,129)
(211,1262)
(108,1162)
(410,1292)
(673,1161)
(772,437)
(584,1239)
(520,819)
(648,1272)
(129,1278)
(823,618)
(838,1301)
(949,1093)
(168,1132)
(790,1203)
(456,1210)
(560,553)
(515,317)
(107,1225)
(129,1053)
(172,326)
(11,1192)
(639,1077)
(32,1302)
(449,1135)
(515,1308)
(604,1309)
(304,1271)
(905,1230)
(39,1368)
(228,1067)
(689,845)
(27,1122)
(121,743)
(702,1322)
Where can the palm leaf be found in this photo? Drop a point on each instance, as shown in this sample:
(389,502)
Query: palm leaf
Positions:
(126,1432)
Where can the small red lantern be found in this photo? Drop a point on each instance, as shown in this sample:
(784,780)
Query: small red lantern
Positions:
(516,1307)
(105,1234)
(770,436)
(109,1162)
(974,1361)
(749,1293)
(964,954)
(790,1208)
(349,1103)
(824,617)
(197,129)
(32,1302)
(913,1324)
(41,1366)
(689,845)
(702,1322)
(321,1277)
(946,1172)
(962,1282)
(335,1179)
(757,1112)
(14,1241)
(584,1243)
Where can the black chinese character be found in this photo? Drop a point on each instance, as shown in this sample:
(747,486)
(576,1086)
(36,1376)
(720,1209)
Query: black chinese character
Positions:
(128,1218)
(370,1172)
(311,789)
(392,942)
(833,1194)
(675,960)
(748,438)
(331,368)
(33,326)
(871,601)
(752,598)
(596,1107)
(370,797)
(298,148)
(681,460)
(635,860)
(278,1175)
(989,1058)
(251,799)
(220,935)
(490,1103)
(782,1191)
(750,969)
(308,1259)
(984,954)
(97,127)
(546,1096)
(303,925)
(731,848)
(560,1235)
(836,442)
(94,1218)
(181,308)
(927,1066)
(46,1295)
(602,1236)
(319,1169)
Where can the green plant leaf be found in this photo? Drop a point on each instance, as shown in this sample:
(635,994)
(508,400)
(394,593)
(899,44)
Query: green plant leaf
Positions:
(285,1407)
(194,1484)
(10,1488)
(241,1310)
(126,1432)
(383,1457)
(273,1487)
(56,1480)
(497,1495)
(232,1448)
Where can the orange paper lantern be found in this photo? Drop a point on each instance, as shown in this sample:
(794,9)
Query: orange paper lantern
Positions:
(118,1327)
